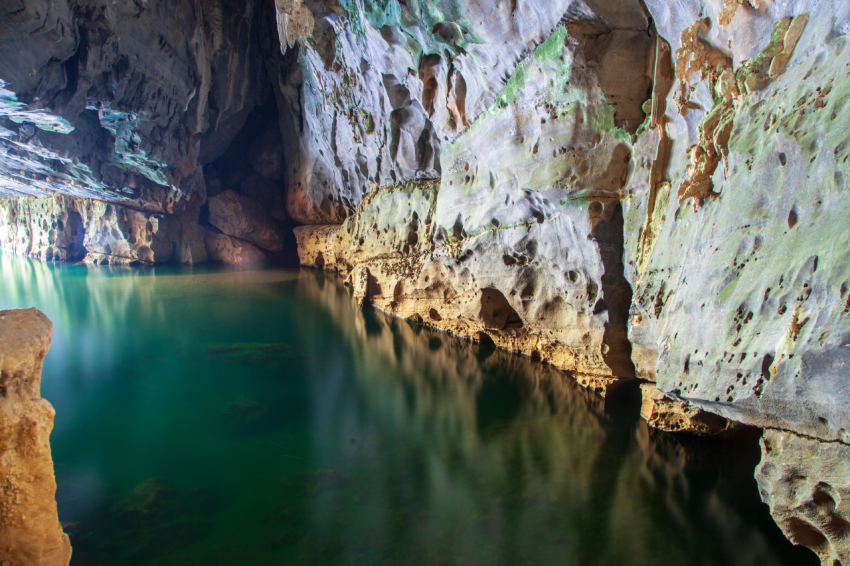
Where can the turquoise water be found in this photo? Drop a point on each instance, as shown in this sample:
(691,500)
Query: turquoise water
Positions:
(213,417)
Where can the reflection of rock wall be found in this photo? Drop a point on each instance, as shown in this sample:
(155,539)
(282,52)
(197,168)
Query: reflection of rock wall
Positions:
(807,485)
(623,493)
(31,534)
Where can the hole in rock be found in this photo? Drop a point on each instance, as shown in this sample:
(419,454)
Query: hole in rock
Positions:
(792,218)
(485,341)
(804,533)
(496,312)
(766,362)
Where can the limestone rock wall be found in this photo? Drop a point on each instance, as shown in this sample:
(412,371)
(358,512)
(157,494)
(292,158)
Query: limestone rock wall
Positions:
(29,523)
(520,242)
(124,102)
(64,228)
(381,88)
(735,212)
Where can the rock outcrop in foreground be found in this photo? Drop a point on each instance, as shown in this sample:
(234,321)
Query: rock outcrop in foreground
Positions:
(30,534)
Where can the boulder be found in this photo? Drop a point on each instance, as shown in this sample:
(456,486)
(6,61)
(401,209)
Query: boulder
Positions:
(226,249)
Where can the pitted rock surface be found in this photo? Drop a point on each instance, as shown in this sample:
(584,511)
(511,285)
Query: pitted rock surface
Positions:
(740,297)
(806,483)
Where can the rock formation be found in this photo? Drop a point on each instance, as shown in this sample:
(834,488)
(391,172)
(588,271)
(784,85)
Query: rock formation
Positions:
(30,534)
(807,485)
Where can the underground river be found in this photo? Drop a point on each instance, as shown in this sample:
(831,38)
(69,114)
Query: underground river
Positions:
(207,416)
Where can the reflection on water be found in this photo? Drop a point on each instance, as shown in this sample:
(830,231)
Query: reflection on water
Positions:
(222,417)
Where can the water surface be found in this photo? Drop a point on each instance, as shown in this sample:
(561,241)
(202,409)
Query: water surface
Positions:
(216,417)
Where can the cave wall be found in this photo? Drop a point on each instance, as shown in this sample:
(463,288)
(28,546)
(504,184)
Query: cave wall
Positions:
(123,101)
(520,241)
(741,291)
(381,88)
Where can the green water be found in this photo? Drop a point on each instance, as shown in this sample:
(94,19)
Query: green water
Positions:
(212,417)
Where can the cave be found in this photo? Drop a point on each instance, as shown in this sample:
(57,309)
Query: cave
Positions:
(396,282)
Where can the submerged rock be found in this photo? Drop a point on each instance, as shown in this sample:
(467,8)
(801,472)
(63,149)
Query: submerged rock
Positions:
(251,354)
(30,534)
(150,524)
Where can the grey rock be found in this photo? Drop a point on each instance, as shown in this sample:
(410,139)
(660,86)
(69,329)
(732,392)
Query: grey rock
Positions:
(242,217)
(269,195)
(740,301)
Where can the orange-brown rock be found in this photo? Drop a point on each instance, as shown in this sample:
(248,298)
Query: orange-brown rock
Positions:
(671,415)
(30,533)
(389,258)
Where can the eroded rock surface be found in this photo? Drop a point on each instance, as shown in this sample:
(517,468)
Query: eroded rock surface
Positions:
(381,88)
(30,534)
(227,249)
(806,482)
(63,228)
(740,295)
